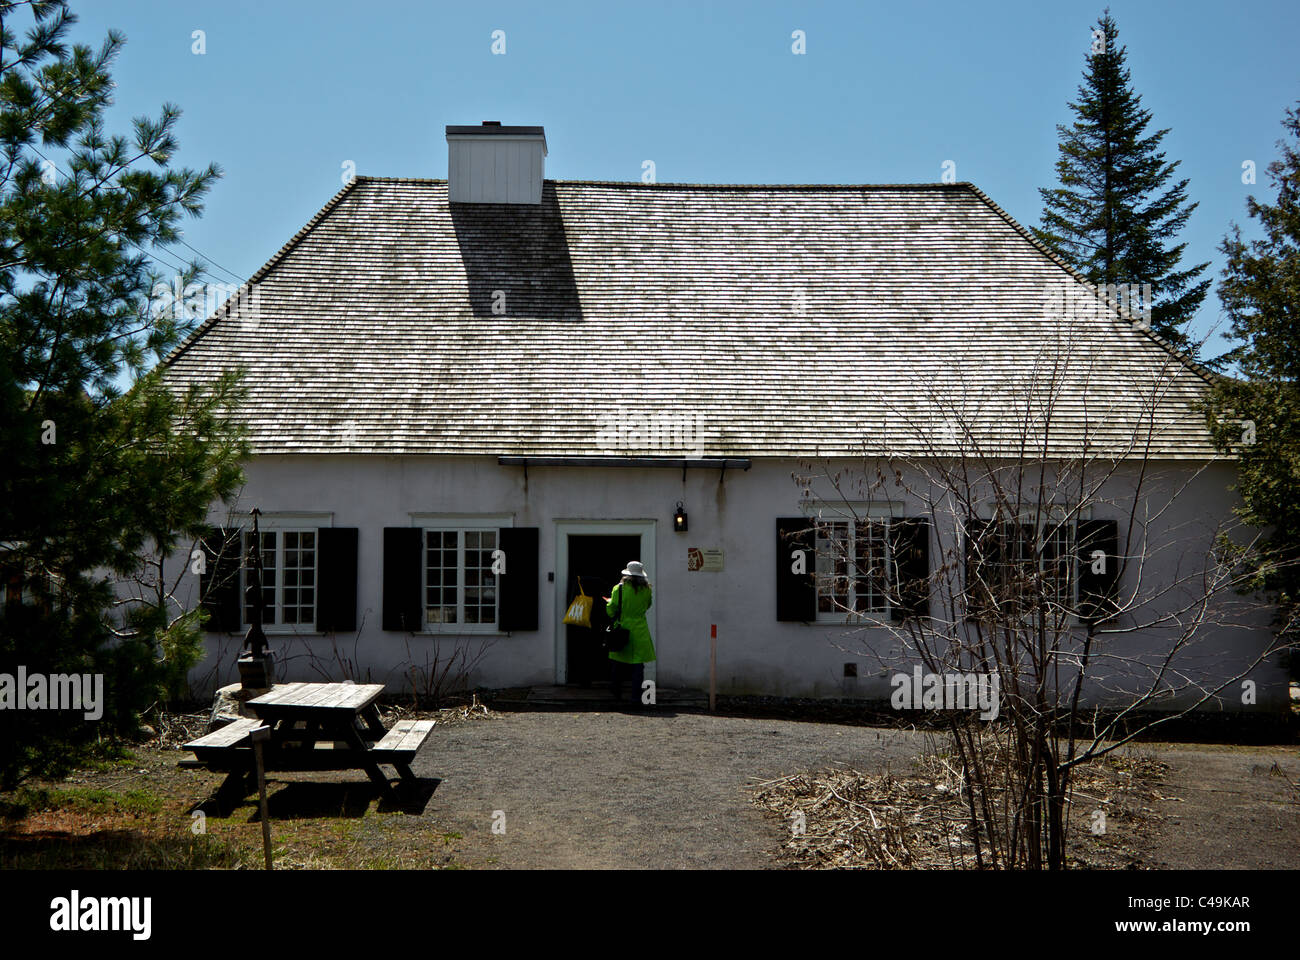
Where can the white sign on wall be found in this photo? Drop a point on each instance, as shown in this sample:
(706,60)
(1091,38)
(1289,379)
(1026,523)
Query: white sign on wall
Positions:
(707,559)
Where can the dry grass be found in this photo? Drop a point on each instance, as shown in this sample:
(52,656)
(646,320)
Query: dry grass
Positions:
(446,716)
(843,818)
(176,729)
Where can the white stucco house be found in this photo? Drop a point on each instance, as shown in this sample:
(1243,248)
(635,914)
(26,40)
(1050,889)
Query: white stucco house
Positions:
(502,368)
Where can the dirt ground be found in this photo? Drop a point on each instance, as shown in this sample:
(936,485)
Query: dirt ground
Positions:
(614,790)
(619,790)
(1228,808)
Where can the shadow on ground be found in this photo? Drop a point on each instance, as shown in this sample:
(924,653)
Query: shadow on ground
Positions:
(314,800)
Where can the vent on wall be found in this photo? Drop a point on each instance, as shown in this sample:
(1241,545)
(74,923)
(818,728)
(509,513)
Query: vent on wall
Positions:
(496,164)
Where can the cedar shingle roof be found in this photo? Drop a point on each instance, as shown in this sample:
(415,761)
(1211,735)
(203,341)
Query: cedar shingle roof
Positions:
(784,320)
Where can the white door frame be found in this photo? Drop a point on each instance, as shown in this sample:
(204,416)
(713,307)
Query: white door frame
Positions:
(645,529)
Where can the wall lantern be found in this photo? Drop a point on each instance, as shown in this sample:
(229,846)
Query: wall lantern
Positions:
(679,519)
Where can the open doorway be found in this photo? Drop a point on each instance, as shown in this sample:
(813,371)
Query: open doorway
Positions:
(598,559)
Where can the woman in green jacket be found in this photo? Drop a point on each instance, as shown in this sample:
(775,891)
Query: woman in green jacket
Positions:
(634,592)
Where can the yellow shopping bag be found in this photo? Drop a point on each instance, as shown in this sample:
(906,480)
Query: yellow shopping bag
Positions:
(579,613)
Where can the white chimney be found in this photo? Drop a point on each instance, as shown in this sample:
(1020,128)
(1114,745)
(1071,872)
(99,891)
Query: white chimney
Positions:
(496,164)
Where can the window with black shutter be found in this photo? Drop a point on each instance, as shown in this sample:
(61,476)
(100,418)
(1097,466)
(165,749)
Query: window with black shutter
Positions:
(1015,567)
(910,539)
(859,569)
(220,581)
(1098,564)
(796,586)
(982,548)
(336,574)
(403,579)
(518,590)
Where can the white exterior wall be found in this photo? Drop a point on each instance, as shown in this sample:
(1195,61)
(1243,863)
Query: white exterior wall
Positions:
(756,653)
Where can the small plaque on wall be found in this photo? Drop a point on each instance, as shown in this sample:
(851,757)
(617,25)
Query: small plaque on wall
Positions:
(706,559)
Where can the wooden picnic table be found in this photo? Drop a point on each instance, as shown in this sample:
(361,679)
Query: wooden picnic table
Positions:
(314,726)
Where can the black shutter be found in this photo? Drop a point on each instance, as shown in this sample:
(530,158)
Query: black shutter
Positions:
(911,544)
(336,579)
(517,587)
(982,548)
(1098,591)
(219,584)
(403,578)
(796,593)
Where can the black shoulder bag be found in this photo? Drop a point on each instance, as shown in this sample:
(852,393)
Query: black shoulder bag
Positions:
(616,637)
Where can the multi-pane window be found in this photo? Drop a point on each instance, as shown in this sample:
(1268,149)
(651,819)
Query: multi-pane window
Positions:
(854,568)
(1008,564)
(269,552)
(1019,566)
(460,586)
(442,582)
(298,576)
(288,576)
(480,595)
(1058,564)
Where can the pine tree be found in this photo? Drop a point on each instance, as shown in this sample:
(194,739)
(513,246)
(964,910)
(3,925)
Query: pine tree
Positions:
(1256,415)
(103,466)
(1116,214)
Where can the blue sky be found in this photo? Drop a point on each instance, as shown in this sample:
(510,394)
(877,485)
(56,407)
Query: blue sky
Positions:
(288,92)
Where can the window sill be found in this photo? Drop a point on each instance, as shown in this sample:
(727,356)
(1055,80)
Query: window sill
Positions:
(884,619)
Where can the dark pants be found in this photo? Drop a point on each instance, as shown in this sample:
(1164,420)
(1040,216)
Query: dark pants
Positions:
(631,673)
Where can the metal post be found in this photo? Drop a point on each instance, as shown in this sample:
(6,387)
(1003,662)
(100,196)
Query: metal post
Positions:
(259,736)
(255,640)
(713,666)
(255,663)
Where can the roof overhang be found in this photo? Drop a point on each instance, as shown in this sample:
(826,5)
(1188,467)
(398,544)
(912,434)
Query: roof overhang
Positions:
(679,463)
(699,463)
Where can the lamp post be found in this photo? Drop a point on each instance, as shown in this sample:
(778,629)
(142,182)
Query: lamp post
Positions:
(255,663)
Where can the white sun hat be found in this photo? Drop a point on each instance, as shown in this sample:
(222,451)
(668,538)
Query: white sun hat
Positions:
(634,569)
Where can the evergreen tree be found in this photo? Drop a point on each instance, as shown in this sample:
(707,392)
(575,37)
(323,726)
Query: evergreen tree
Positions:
(1116,214)
(103,466)
(1256,415)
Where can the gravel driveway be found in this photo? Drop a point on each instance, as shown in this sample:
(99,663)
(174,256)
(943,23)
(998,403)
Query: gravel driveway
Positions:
(1230,809)
(614,790)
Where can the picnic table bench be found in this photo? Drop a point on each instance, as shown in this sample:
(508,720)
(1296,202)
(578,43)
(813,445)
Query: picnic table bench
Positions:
(314,726)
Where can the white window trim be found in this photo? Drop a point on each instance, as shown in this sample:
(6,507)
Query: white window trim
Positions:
(818,509)
(426,522)
(283,522)
(280,521)
(846,616)
(1051,513)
